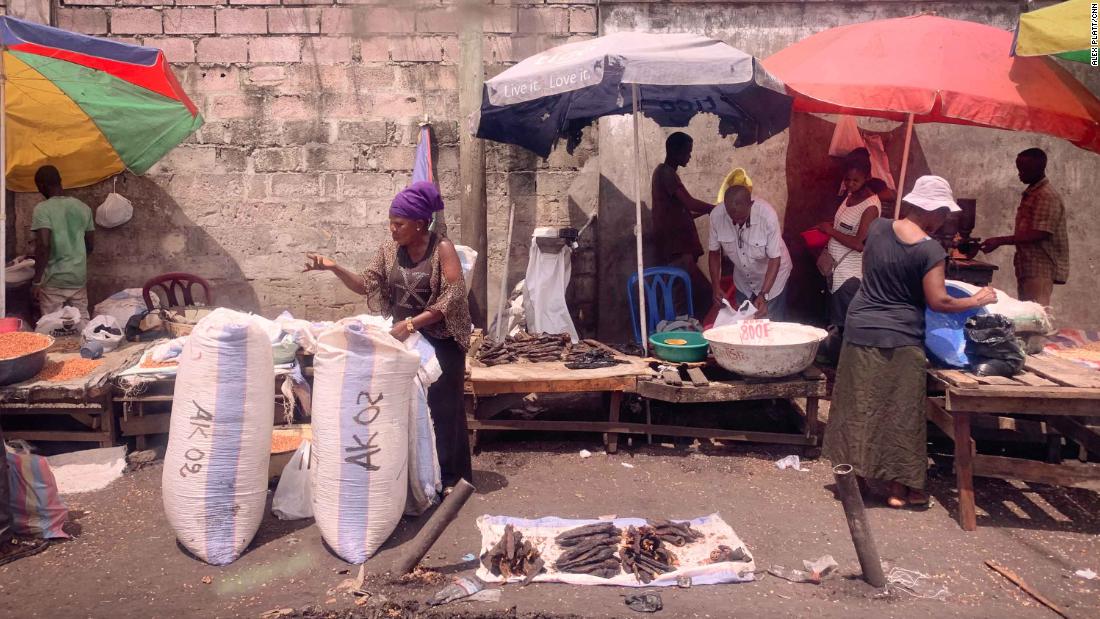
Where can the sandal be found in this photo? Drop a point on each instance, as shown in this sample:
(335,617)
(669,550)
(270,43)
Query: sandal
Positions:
(16,549)
(919,498)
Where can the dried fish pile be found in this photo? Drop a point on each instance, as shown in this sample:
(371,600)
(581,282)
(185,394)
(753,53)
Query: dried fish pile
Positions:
(675,533)
(513,556)
(590,550)
(546,347)
(644,553)
(723,554)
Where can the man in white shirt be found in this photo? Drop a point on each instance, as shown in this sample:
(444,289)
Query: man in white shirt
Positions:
(747,231)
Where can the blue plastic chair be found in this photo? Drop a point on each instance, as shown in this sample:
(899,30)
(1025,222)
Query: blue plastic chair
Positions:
(659,305)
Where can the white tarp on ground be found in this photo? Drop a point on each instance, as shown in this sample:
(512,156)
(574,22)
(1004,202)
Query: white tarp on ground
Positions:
(88,469)
(694,557)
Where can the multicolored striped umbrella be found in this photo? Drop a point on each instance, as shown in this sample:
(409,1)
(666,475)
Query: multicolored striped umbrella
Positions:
(90,107)
(1063,30)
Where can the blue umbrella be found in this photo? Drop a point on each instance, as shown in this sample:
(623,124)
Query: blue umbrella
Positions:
(669,78)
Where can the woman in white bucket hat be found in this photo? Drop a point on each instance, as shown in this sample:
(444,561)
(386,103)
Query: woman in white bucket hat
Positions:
(877,419)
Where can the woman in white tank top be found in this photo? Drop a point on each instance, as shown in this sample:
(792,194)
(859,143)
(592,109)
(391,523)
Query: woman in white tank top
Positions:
(850,225)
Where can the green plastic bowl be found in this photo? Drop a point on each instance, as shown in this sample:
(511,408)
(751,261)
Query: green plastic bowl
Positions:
(694,350)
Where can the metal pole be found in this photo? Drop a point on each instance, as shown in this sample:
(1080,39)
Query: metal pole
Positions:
(858,526)
(3,186)
(504,276)
(638,217)
(904,165)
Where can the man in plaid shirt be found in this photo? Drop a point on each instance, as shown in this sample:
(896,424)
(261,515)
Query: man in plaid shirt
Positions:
(1041,240)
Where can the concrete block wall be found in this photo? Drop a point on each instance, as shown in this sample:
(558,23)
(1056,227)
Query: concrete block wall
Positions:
(312,110)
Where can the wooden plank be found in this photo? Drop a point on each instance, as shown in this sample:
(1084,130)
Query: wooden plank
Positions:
(672,377)
(964,472)
(147,424)
(1034,471)
(145,398)
(1028,378)
(66,437)
(996,399)
(1062,372)
(638,428)
(580,385)
(732,391)
(697,378)
(956,378)
(1085,436)
(996,380)
(940,417)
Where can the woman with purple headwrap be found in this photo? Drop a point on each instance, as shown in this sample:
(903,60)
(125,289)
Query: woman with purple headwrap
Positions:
(417,280)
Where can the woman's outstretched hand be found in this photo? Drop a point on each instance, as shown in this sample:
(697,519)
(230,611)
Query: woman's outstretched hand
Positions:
(317,262)
(985,296)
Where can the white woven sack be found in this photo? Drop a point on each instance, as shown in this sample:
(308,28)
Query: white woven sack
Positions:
(362,385)
(424,476)
(219,442)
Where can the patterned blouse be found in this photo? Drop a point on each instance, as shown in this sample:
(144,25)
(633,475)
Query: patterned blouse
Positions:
(398,288)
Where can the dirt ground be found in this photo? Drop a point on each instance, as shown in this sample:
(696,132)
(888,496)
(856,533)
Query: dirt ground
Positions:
(126,562)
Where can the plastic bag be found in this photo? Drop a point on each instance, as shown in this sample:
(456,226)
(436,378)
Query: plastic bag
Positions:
(992,346)
(124,304)
(293,498)
(544,288)
(846,137)
(105,330)
(728,316)
(36,508)
(63,322)
(115,211)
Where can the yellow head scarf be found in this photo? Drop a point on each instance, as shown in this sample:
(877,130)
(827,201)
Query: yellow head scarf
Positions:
(737,176)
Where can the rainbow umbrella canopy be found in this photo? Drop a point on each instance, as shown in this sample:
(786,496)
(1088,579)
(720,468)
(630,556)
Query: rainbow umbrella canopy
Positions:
(1063,30)
(90,107)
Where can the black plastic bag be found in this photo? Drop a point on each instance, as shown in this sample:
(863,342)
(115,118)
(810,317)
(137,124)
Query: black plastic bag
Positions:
(992,346)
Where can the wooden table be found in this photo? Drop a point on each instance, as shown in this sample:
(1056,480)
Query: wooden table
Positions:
(519,379)
(1058,391)
(36,407)
(722,386)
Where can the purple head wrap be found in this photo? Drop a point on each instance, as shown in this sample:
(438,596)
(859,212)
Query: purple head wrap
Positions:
(417,201)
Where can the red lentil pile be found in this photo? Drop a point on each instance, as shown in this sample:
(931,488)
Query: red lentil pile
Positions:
(17,344)
(68,369)
(281,443)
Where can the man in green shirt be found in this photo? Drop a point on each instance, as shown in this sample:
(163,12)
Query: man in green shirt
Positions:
(63,232)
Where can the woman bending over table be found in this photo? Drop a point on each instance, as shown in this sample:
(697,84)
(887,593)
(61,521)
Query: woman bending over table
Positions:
(877,419)
(417,280)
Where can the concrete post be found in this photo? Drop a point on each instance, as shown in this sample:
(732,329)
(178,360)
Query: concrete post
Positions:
(471,76)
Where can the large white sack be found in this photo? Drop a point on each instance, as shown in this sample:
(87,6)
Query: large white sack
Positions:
(425,482)
(219,442)
(363,386)
(124,304)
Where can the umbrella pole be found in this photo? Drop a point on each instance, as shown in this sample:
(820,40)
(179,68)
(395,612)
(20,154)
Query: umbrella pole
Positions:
(504,276)
(638,218)
(3,188)
(904,165)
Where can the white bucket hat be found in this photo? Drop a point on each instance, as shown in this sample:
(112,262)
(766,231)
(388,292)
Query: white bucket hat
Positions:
(932,193)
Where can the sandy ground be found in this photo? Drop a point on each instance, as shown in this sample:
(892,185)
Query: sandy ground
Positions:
(126,562)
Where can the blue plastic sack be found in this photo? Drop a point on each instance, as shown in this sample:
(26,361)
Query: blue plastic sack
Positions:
(944,335)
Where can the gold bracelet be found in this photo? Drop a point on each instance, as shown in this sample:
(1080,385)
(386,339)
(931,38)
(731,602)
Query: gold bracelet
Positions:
(409,325)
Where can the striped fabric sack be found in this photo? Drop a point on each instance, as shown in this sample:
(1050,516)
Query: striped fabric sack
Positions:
(219,442)
(36,508)
(363,390)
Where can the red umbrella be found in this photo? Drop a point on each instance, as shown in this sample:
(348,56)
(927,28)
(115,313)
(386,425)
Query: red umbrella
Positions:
(931,69)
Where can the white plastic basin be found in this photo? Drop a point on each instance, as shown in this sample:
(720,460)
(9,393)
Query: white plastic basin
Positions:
(765,349)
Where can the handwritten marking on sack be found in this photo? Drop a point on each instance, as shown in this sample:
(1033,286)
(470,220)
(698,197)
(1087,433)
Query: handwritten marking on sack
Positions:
(200,423)
(361,452)
(754,330)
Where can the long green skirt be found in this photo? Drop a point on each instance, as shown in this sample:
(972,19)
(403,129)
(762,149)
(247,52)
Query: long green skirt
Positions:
(877,417)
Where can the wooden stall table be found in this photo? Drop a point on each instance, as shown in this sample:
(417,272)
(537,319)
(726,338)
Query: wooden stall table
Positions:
(1057,391)
(520,379)
(713,384)
(31,410)
(144,401)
